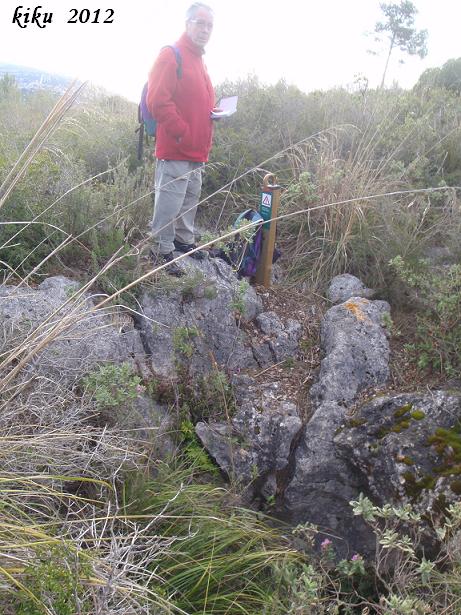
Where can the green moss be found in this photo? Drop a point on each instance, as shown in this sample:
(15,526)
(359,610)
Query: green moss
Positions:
(403,417)
(447,444)
(399,427)
(409,477)
(448,469)
(408,461)
(447,441)
(356,422)
(402,411)
(427,482)
(210,292)
(415,486)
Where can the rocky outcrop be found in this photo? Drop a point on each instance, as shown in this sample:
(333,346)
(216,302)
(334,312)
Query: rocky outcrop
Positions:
(343,287)
(79,337)
(80,340)
(324,483)
(406,448)
(356,350)
(396,449)
(198,319)
(253,446)
(282,339)
(197,324)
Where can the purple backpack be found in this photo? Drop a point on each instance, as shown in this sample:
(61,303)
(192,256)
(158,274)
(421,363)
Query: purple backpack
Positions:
(246,254)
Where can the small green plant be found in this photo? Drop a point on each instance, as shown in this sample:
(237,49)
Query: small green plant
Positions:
(255,473)
(182,340)
(213,396)
(190,284)
(388,324)
(194,452)
(53,580)
(113,385)
(218,243)
(207,396)
(302,585)
(303,189)
(238,303)
(416,585)
(210,292)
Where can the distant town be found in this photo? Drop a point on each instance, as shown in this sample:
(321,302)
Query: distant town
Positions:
(34,79)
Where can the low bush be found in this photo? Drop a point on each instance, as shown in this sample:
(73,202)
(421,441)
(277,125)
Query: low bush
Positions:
(437,294)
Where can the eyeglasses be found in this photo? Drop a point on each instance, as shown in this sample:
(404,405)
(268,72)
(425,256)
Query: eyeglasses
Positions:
(202,24)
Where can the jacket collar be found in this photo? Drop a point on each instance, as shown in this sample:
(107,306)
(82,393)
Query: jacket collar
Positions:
(186,42)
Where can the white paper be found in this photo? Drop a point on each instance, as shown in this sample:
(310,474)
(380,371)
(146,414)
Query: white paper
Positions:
(227,106)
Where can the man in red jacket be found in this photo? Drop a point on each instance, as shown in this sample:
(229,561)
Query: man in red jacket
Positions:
(180,97)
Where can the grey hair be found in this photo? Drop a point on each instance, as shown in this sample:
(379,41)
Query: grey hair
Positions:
(192,10)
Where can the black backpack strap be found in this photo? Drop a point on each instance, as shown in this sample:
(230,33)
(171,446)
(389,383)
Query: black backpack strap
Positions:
(140,140)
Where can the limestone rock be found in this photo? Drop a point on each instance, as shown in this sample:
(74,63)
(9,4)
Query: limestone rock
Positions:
(356,348)
(343,287)
(284,336)
(89,337)
(324,483)
(200,326)
(394,449)
(255,444)
(402,447)
(325,480)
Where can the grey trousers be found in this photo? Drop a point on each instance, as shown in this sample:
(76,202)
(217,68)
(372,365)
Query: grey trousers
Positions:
(178,184)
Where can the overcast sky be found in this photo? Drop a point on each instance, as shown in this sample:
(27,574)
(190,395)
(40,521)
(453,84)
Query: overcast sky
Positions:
(314,45)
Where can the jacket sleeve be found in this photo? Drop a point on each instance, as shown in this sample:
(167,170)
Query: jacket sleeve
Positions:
(162,84)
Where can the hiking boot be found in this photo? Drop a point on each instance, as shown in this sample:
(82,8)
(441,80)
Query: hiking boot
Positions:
(172,269)
(187,247)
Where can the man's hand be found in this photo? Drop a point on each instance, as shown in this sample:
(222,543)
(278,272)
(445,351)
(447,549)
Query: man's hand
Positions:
(215,112)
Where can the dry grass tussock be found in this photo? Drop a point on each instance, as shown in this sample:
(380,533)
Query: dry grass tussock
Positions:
(347,209)
(60,517)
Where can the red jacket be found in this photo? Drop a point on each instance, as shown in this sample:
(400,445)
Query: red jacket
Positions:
(181,106)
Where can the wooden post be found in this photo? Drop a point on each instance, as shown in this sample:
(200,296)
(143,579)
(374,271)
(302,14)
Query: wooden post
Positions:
(268,208)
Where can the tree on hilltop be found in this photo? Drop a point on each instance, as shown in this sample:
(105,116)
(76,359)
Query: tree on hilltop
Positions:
(398,28)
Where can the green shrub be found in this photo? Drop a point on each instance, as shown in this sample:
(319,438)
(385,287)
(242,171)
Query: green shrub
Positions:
(53,581)
(113,385)
(211,396)
(438,326)
(183,340)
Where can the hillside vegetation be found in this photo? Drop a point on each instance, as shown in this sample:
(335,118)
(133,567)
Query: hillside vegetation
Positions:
(92,523)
